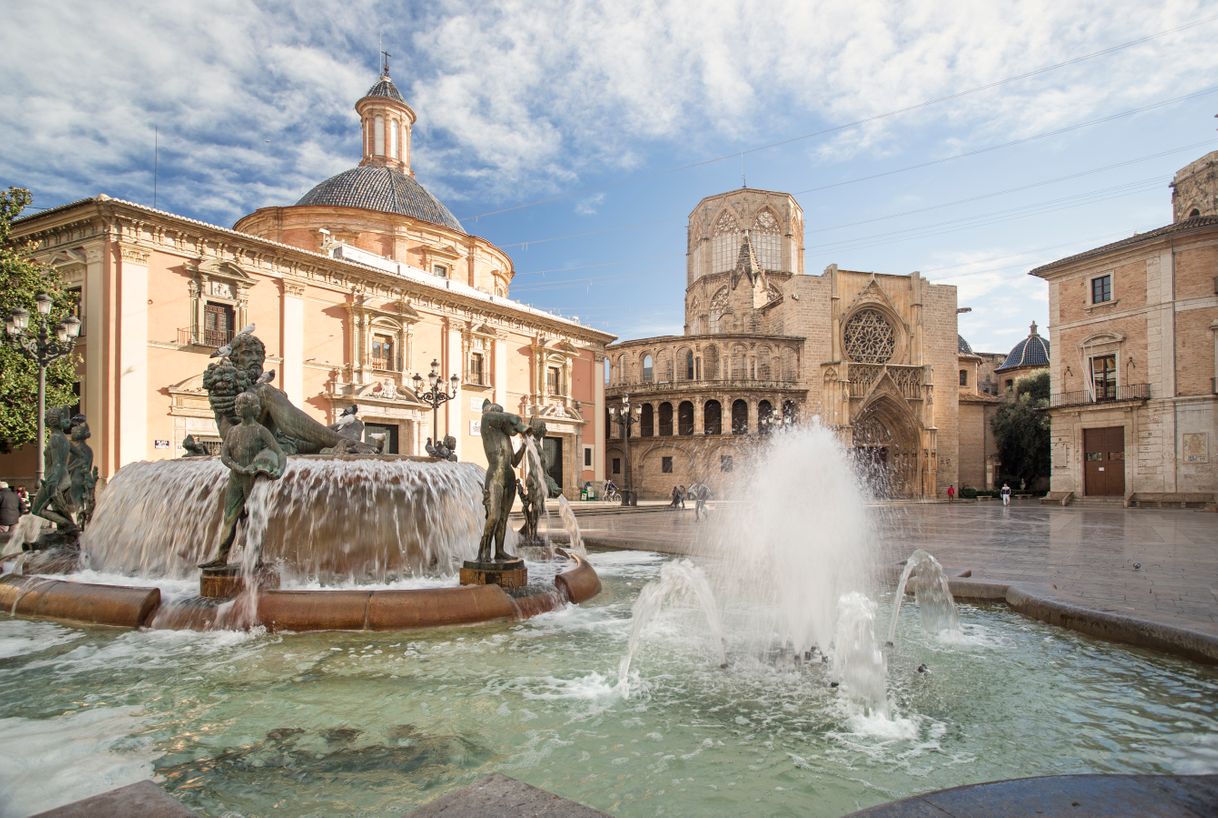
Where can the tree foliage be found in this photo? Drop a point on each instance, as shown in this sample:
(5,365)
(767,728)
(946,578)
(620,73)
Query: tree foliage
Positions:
(1021,430)
(21,279)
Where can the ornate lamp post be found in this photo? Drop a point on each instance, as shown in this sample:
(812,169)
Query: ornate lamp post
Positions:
(435,395)
(625,416)
(36,342)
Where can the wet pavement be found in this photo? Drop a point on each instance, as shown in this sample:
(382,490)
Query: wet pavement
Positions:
(1155,565)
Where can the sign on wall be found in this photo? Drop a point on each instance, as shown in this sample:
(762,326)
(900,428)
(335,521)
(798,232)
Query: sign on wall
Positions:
(1196,447)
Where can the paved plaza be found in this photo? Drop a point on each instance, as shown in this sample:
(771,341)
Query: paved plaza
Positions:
(1160,566)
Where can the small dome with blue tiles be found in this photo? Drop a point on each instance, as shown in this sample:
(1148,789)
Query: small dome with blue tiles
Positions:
(962,346)
(1029,353)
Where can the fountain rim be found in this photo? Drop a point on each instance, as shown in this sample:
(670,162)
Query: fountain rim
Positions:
(296,610)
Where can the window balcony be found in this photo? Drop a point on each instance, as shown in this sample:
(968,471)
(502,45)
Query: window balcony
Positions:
(1109,394)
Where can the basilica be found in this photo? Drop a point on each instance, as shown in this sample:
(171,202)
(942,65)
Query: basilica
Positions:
(874,356)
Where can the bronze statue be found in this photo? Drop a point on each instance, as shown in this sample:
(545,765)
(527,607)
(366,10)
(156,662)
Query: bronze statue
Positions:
(240,369)
(534,489)
(249,450)
(82,471)
(193,447)
(499,489)
(539,435)
(54,499)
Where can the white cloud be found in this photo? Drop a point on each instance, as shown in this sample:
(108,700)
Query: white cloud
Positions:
(523,97)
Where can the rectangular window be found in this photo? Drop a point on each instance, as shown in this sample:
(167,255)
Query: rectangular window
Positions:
(617,465)
(1104,377)
(218,321)
(440,270)
(476,372)
(964,377)
(725,462)
(666,465)
(552,381)
(1101,289)
(382,352)
(588,457)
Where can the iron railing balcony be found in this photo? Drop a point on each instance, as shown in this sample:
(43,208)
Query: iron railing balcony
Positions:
(1110,394)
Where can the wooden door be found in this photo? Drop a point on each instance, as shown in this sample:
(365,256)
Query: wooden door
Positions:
(1104,462)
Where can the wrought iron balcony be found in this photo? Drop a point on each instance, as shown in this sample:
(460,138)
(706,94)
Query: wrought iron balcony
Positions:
(1108,394)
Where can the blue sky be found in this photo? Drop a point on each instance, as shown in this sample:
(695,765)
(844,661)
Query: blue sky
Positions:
(578,135)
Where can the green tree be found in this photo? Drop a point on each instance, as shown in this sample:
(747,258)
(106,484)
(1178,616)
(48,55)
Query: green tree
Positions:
(21,279)
(1021,430)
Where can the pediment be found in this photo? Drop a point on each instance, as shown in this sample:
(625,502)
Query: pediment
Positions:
(873,294)
(217,268)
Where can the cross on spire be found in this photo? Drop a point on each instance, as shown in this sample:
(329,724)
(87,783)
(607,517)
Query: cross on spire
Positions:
(385,55)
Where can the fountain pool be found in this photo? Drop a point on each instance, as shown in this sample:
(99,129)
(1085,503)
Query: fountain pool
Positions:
(339,722)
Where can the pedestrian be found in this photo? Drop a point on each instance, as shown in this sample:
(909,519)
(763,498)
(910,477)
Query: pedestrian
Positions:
(681,492)
(10,508)
(701,495)
(676,497)
(24,496)
(951,492)
(1006,494)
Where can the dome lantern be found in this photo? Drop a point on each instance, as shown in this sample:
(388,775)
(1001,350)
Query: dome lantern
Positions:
(385,121)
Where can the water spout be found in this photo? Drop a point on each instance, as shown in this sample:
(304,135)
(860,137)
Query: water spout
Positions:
(931,591)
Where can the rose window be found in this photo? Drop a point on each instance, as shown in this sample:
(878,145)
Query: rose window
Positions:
(869,338)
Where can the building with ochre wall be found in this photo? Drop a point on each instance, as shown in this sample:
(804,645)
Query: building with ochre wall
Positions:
(1134,405)
(874,356)
(355,288)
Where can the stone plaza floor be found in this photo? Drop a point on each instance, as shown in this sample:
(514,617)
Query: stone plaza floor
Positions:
(1159,566)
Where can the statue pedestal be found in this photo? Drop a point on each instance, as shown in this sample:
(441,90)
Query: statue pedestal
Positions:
(508,574)
(225,581)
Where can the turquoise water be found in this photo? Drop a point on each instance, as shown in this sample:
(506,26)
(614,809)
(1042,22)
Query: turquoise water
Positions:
(331,724)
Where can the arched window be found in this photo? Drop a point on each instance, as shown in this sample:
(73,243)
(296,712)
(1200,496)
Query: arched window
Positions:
(378,135)
(665,419)
(666,360)
(763,364)
(739,364)
(647,421)
(712,418)
(710,363)
(765,417)
(1196,212)
(740,417)
(685,418)
(648,368)
(766,237)
(725,243)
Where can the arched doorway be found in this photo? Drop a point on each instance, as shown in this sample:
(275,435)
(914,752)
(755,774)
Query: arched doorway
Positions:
(887,445)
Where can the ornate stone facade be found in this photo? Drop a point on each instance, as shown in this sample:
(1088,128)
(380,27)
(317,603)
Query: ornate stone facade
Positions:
(871,355)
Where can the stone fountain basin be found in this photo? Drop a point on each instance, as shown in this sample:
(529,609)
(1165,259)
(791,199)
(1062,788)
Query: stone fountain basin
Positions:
(296,610)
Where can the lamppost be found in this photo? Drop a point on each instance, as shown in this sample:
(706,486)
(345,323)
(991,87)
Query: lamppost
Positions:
(36,342)
(625,416)
(435,395)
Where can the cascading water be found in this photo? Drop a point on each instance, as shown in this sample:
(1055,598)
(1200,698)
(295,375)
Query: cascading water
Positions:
(535,484)
(936,606)
(679,581)
(575,538)
(795,540)
(329,518)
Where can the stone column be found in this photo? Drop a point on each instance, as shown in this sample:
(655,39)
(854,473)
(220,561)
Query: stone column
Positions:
(292,341)
(132,406)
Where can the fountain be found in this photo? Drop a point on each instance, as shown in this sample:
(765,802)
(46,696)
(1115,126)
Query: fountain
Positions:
(330,533)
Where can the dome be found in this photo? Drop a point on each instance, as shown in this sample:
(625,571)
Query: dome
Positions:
(1032,351)
(962,346)
(385,189)
(384,87)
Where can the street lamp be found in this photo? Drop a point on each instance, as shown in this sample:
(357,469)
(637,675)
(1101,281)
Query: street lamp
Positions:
(37,344)
(435,395)
(625,416)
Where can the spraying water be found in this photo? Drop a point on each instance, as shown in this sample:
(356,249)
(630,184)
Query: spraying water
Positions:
(858,663)
(936,606)
(796,539)
(329,518)
(680,581)
(535,484)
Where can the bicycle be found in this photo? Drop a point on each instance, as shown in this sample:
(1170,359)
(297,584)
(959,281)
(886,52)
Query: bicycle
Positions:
(612,495)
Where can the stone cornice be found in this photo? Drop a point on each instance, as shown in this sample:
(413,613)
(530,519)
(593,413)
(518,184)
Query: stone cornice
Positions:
(132,224)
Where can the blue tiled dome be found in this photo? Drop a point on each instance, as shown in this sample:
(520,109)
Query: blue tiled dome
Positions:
(384,189)
(1030,352)
(962,346)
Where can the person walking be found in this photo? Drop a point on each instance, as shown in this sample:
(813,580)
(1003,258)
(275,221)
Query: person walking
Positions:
(10,508)
(951,492)
(701,493)
(1006,494)
(676,497)
(681,493)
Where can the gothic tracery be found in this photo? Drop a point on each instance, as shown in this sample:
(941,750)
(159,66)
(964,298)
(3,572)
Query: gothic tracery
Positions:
(869,338)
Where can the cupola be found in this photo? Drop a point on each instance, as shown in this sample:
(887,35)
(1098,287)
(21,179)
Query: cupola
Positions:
(386,121)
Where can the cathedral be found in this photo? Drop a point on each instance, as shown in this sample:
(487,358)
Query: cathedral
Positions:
(873,356)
